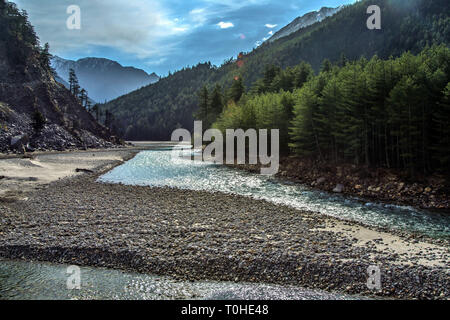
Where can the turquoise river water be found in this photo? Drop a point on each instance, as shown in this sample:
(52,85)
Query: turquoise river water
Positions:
(26,280)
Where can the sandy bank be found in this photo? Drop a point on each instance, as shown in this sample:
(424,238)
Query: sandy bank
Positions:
(21,175)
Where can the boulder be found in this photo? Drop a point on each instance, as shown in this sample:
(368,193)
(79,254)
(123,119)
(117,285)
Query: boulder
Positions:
(339,188)
(320,180)
(17,142)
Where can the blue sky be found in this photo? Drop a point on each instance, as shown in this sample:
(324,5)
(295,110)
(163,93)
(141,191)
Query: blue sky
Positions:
(163,35)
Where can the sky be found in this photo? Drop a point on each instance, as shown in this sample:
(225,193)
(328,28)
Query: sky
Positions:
(163,35)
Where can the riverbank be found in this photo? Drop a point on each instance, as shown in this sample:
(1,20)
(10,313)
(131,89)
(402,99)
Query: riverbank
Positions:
(195,235)
(381,185)
(22,173)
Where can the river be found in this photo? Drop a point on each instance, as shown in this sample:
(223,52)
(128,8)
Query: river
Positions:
(27,280)
(161,169)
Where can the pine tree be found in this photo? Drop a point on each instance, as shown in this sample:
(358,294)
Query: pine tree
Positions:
(441,118)
(270,72)
(39,121)
(237,90)
(326,66)
(203,106)
(73,83)
(216,101)
(83,97)
(45,57)
(303,73)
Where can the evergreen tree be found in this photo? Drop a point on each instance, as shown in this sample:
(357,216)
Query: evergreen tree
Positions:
(216,105)
(74,85)
(39,121)
(83,97)
(326,66)
(441,118)
(203,106)
(237,90)
(303,73)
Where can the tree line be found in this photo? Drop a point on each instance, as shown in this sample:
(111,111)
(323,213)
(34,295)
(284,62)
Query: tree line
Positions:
(392,113)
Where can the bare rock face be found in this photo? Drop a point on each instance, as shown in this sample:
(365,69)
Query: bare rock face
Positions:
(305,21)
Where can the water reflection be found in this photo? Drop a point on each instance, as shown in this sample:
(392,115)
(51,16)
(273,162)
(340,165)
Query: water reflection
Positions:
(42,281)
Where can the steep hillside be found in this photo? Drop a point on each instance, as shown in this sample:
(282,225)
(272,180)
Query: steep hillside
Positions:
(154,111)
(36,112)
(304,21)
(103,79)
(406,26)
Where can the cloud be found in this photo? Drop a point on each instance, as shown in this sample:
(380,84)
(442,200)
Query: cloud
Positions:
(198,16)
(136,30)
(162,35)
(225,25)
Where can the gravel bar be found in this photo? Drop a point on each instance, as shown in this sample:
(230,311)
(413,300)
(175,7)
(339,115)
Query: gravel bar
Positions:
(191,235)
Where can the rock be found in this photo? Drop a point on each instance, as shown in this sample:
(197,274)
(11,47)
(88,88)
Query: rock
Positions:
(28,148)
(17,142)
(84,170)
(320,180)
(428,190)
(339,188)
(358,187)
(400,186)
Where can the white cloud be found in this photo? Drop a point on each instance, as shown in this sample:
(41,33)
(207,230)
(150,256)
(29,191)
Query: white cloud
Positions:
(198,16)
(270,26)
(139,30)
(225,25)
(180,29)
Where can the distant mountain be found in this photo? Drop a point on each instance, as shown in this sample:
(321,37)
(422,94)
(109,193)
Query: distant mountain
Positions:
(305,21)
(103,79)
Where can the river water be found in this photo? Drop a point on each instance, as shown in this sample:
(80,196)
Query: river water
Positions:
(42,281)
(26,280)
(162,169)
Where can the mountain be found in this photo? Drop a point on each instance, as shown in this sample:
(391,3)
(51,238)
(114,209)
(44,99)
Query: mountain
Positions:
(103,79)
(36,112)
(304,21)
(153,112)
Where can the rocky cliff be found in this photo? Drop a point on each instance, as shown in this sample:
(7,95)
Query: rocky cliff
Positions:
(36,112)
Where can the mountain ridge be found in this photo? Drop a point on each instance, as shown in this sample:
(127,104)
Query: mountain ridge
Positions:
(104,79)
(304,21)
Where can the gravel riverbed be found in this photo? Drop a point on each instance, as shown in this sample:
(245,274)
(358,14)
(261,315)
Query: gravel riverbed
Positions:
(193,235)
